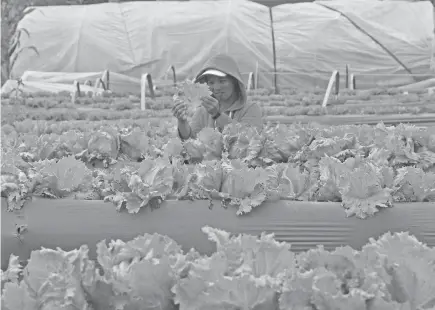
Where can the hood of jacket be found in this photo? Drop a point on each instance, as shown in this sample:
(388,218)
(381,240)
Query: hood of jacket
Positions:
(228,65)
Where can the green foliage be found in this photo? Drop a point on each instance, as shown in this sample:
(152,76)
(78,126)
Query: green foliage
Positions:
(13,11)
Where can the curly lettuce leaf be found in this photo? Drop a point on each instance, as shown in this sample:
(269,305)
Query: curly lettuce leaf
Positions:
(17,189)
(336,280)
(62,177)
(104,144)
(152,182)
(194,91)
(297,290)
(206,286)
(147,245)
(262,151)
(180,173)
(53,280)
(258,256)
(362,192)
(361,185)
(411,270)
(194,150)
(287,140)
(237,139)
(323,146)
(413,184)
(14,270)
(243,186)
(331,171)
(142,269)
(173,148)
(204,182)
(212,143)
(327,294)
(17,296)
(286,181)
(135,144)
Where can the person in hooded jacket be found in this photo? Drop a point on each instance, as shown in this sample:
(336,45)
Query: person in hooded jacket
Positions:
(227,104)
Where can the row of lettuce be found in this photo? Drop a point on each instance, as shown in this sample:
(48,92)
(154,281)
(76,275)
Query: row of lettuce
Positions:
(117,106)
(246,272)
(121,110)
(365,168)
(314,96)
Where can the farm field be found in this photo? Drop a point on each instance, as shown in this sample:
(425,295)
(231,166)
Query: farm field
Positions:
(105,149)
(122,160)
(330,205)
(114,143)
(125,106)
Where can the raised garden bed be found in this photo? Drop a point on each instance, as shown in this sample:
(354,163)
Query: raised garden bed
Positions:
(69,223)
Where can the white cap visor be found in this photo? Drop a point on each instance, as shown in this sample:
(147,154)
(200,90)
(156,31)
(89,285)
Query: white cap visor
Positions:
(213,72)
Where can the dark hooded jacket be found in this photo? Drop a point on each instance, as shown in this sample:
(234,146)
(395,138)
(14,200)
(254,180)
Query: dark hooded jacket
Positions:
(241,110)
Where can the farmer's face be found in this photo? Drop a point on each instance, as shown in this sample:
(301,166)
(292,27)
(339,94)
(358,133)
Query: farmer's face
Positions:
(222,87)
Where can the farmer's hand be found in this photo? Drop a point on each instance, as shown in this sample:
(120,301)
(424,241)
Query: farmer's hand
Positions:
(180,109)
(211,105)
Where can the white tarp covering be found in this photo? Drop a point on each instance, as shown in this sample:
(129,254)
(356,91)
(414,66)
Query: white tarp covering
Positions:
(132,38)
(118,83)
(313,40)
(11,87)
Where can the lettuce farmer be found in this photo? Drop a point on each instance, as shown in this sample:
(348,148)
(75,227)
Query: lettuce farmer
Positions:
(227,104)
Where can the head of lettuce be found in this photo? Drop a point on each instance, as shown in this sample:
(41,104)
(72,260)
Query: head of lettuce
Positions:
(227,103)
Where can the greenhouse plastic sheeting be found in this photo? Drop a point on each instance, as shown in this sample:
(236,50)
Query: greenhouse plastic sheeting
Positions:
(138,37)
(119,83)
(314,39)
(38,81)
(37,87)
(133,38)
(71,223)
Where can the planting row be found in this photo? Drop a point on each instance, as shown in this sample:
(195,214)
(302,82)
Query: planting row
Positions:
(14,114)
(161,126)
(306,97)
(246,272)
(363,167)
(363,102)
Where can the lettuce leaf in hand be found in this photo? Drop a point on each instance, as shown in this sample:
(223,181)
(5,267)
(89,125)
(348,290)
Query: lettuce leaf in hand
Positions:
(194,91)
